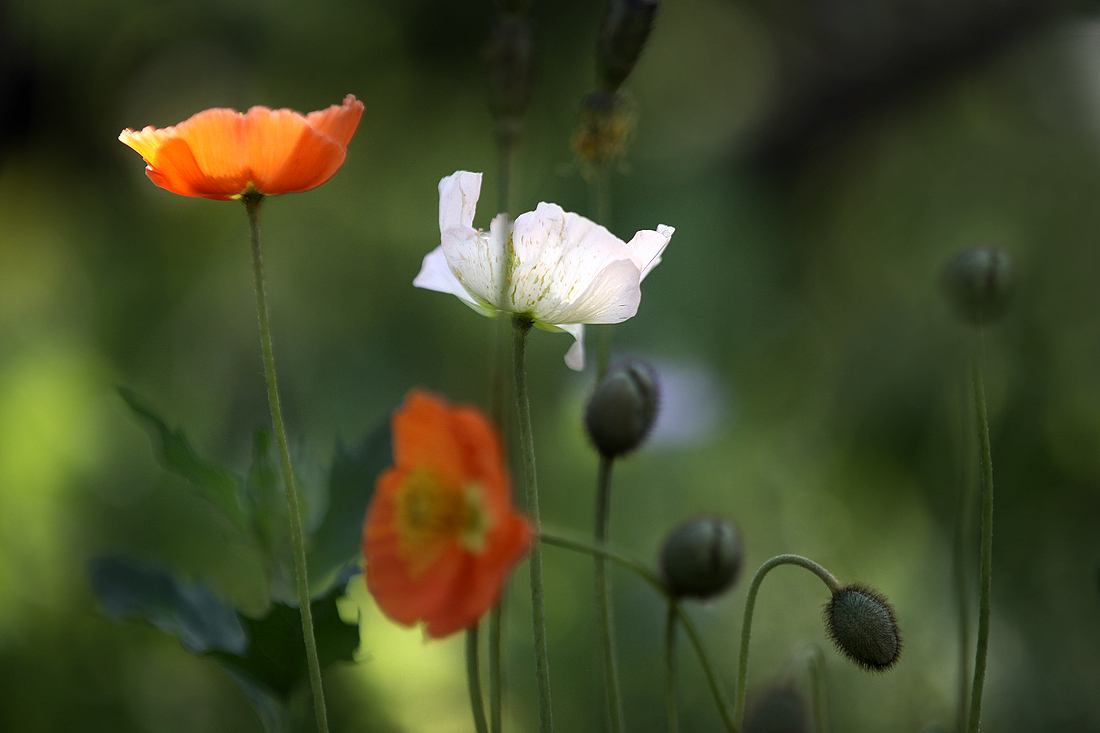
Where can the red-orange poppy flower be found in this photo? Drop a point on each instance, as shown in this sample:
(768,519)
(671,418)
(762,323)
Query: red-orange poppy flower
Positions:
(441,535)
(223,154)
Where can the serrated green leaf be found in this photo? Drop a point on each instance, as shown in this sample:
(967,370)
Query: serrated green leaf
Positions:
(190,611)
(336,542)
(215,484)
(265,499)
(276,654)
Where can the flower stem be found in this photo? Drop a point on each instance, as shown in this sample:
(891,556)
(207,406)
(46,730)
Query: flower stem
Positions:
(818,689)
(496,678)
(987,543)
(750,605)
(521,329)
(670,667)
(603,595)
(252,203)
(473,680)
(689,626)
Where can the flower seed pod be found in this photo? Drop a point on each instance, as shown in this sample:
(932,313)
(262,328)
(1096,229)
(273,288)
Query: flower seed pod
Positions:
(625,30)
(622,409)
(978,283)
(862,625)
(701,558)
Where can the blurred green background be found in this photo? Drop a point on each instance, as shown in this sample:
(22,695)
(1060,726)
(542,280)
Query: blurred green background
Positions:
(820,162)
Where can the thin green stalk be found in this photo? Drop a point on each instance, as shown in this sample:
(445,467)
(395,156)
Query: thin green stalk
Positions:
(987,544)
(603,596)
(689,626)
(963,554)
(496,678)
(750,605)
(252,203)
(818,689)
(473,680)
(670,667)
(521,330)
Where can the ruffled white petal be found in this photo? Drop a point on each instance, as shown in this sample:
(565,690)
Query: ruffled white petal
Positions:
(435,274)
(574,358)
(475,262)
(647,245)
(560,256)
(458,195)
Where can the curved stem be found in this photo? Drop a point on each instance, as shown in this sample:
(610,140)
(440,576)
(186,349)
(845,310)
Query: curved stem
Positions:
(603,595)
(252,203)
(496,680)
(750,604)
(987,544)
(521,328)
(473,680)
(670,667)
(689,626)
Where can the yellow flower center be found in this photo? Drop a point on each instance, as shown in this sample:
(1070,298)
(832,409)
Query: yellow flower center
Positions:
(431,513)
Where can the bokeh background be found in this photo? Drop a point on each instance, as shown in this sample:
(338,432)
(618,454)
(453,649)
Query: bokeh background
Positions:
(820,162)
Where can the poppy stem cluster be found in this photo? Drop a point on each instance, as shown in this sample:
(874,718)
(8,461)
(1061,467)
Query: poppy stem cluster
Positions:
(252,203)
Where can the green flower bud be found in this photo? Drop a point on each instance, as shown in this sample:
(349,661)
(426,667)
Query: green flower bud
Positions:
(622,409)
(863,627)
(978,283)
(623,35)
(701,558)
(780,709)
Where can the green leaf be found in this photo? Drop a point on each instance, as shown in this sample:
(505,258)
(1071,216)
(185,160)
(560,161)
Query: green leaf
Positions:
(336,542)
(265,501)
(217,485)
(126,589)
(276,655)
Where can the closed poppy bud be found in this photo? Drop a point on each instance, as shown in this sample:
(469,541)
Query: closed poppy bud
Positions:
(622,409)
(625,30)
(701,559)
(978,283)
(606,124)
(862,625)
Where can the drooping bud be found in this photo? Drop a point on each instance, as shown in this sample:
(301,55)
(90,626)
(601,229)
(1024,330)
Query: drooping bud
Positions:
(622,409)
(604,128)
(863,627)
(780,709)
(978,283)
(623,35)
(701,558)
(510,52)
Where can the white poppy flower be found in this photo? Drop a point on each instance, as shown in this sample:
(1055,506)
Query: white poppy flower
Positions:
(566,271)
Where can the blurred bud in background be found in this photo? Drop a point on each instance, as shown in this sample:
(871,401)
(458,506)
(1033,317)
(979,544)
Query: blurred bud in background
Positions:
(701,558)
(978,284)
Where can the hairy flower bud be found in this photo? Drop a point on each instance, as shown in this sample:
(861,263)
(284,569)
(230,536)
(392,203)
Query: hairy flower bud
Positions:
(978,283)
(862,625)
(509,53)
(623,35)
(623,408)
(701,558)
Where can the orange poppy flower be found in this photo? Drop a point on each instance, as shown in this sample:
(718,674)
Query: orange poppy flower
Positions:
(223,154)
(441,535)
